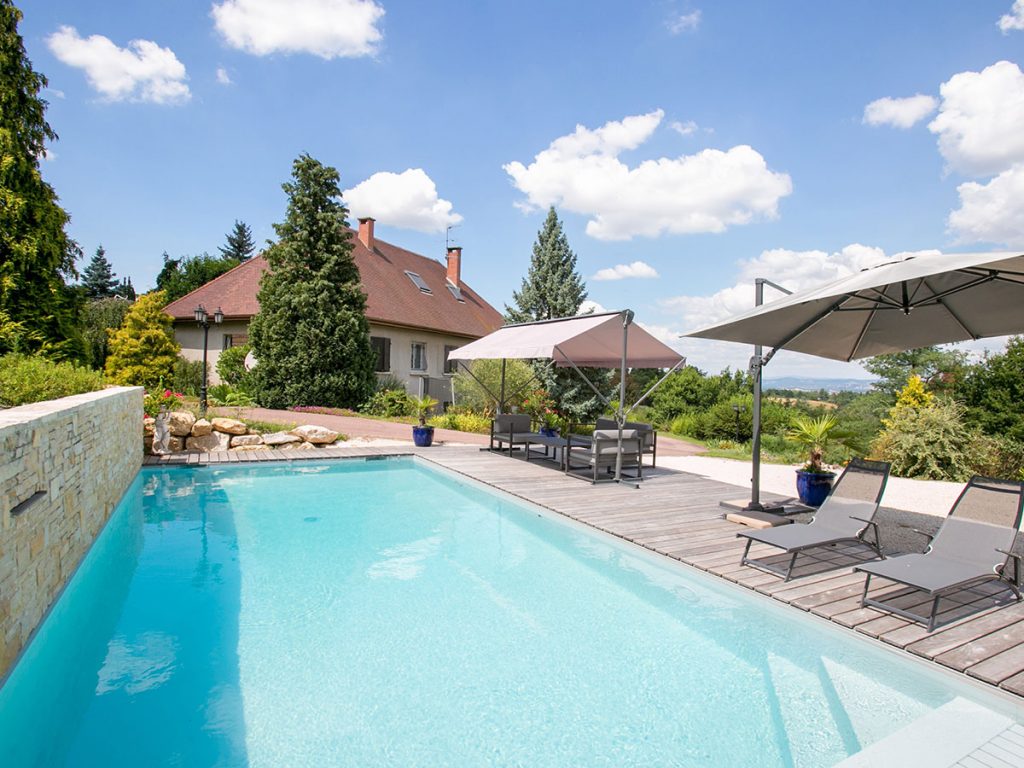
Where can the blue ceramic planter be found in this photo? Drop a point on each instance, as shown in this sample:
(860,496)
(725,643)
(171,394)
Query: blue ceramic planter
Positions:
(549,431)
(423,436)
(812,487)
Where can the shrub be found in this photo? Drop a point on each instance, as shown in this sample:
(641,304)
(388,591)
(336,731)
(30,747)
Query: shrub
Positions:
(930,442)
(389,381)
(163,400)
(31,379)
(228,396)
(231,365)
(187,376)
(462,421)
(143,350)
(389,403)
(1000,457)
(688,424)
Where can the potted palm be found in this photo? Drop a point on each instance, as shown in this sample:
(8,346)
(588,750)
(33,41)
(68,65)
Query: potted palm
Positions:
(813,481)
(423,433)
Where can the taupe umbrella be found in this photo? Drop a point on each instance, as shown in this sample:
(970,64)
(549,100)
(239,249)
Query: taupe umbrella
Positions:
(898,305)
(916,302)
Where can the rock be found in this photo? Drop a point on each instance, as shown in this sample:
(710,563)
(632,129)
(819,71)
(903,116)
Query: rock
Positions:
(147,444)
(311,433)
(201,427)
(215,441)
(176,444)
(250,448)
(280,438)
(246,440)
(179,423)
(147,426)
(229,426)
(303,447)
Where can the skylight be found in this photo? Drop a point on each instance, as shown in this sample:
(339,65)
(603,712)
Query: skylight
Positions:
(418,282)
(456,292)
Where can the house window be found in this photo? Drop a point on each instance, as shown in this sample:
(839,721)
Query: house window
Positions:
(229,341)
(419,356)
(418,281)
(450,366)
(456,293)
(381,346)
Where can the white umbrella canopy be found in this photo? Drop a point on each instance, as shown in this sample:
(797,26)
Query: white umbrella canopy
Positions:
(915,302)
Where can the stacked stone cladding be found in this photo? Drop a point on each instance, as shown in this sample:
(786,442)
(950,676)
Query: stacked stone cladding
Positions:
(83,451)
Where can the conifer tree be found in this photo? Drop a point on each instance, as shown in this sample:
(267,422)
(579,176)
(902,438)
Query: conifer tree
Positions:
(553,288)
(98,279)
(143,351)
(125,290)
(240,245)
(36,255)
(310,337)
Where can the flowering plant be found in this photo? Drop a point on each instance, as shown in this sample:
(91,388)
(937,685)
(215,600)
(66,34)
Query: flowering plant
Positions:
(552,419)
(537,402)
(162,401)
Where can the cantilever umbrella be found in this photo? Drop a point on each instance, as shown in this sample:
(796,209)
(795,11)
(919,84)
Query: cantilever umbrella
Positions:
(898,305)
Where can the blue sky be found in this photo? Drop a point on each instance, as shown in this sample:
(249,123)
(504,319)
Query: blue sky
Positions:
(710,142)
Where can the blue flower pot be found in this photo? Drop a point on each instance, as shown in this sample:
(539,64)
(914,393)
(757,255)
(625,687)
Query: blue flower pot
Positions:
(813,487)
(549,431)
(423,436)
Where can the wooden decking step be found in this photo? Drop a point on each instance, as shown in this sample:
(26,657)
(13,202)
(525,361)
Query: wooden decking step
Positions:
(755,519)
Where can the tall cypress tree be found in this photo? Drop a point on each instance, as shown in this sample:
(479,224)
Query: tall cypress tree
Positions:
(240,244)
(98,279)
(310,337)
(36,255)
(553,288)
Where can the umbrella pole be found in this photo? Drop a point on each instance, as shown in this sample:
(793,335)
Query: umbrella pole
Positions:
(501,397)
(620,413)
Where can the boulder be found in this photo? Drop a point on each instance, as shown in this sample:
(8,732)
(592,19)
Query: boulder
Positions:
(302,447)
(201,427)
(250,448)
(229,426)
(280,438)
(311,433)
(179,423)
(176,444)
(215,441)
(246,440)
(147,426)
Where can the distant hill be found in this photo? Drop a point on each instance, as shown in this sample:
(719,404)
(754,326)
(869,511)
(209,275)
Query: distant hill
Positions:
(813,385)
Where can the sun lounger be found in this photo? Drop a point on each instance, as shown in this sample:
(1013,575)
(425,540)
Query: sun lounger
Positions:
(648,435)
(602,449)
(972,545)
(845,517)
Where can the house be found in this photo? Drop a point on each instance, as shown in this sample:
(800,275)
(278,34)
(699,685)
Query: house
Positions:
(418,310)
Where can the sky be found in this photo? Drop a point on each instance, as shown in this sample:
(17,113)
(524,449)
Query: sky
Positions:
(689,147)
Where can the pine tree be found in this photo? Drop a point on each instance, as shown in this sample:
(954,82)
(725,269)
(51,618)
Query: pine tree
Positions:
(36,255)
(311,337)
(98,279)
(143,351)
(240,244)
(553,288)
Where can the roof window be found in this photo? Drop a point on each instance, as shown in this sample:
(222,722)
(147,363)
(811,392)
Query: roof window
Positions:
(456,292)
(418,282)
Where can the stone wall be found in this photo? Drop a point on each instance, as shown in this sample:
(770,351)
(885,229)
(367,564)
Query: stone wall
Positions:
(64,465)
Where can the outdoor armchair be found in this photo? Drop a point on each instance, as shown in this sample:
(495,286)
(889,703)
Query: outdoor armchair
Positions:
(512,429)
(648,435)
(845,517)
(972,545)
(602,450)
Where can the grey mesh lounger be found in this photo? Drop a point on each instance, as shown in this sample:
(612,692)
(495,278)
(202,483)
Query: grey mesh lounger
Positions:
(973,545)
(844,517)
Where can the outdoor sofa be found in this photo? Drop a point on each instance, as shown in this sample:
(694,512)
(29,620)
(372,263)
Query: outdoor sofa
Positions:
(602,450)
(648,435)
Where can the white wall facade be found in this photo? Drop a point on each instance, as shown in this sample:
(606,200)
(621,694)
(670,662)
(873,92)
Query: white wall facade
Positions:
(433,380)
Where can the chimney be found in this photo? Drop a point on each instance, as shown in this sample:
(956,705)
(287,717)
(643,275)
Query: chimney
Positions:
(454,259)
(366,232)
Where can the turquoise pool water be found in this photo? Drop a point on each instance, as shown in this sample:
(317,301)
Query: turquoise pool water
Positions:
(381,613)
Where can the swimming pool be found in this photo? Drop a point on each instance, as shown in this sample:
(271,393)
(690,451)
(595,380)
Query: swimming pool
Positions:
(372,613)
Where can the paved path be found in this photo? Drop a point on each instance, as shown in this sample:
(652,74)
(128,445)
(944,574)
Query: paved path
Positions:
(354,426)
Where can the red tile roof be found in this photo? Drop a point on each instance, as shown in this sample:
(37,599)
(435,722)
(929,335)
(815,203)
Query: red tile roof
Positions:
(391,297)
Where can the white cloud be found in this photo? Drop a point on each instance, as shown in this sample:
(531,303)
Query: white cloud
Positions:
(223,77)
(55,92)
(324,28)
(684,129)
(1014,19)
(705,192)
(683,22)
(142,72)
(621,271)
(49,155)
(992,212)
(589,307)
(979,121)
(900,113)
(408,200)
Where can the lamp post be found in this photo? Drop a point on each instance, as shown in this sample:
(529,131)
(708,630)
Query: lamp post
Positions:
(203,320)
